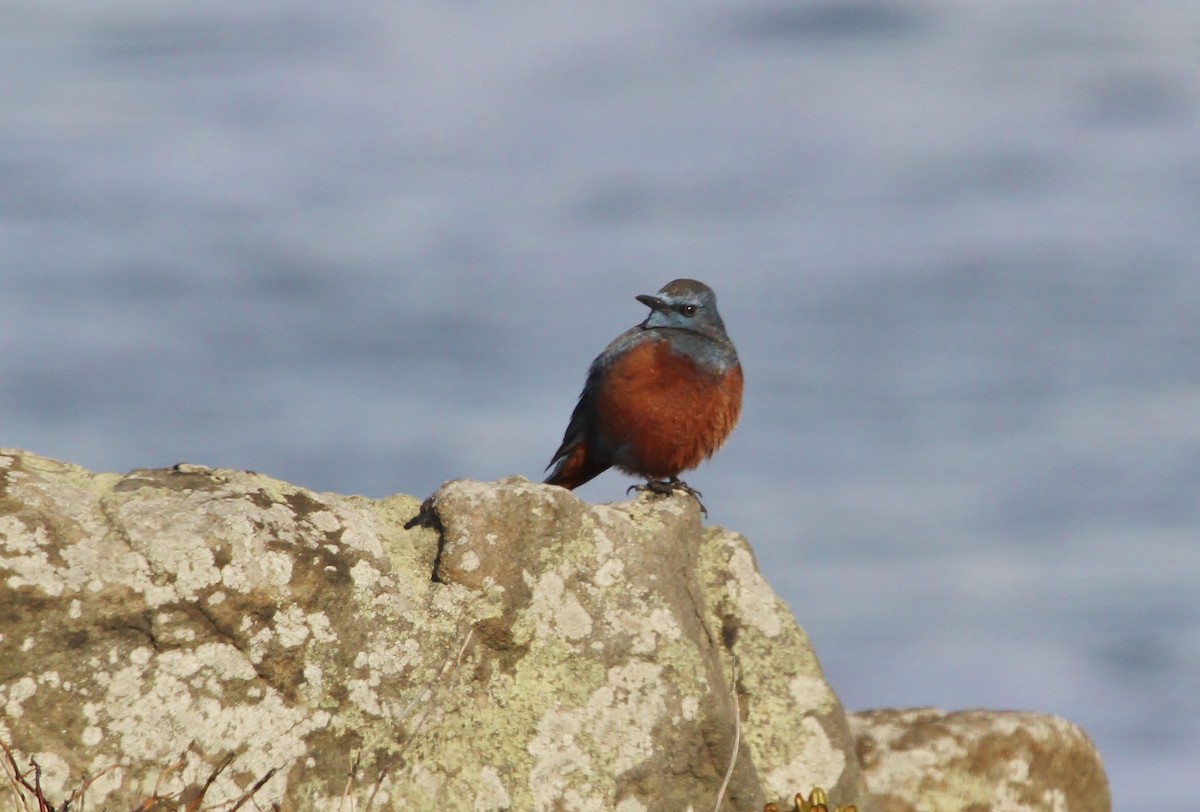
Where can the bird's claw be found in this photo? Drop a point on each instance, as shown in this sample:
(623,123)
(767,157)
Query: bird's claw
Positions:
(666,487)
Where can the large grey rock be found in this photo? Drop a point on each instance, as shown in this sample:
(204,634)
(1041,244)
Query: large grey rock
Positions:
(523,651)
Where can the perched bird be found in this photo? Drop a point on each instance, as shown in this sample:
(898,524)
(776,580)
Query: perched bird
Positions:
(660,399)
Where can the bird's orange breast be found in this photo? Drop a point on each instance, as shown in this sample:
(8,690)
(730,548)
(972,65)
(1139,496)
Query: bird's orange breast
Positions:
(662,413)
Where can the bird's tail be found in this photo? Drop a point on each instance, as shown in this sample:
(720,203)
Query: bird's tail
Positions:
(573,467)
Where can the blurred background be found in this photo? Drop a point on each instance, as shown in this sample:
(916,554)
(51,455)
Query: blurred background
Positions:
(370,247)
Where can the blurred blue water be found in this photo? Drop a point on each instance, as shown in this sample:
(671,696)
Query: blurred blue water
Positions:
(370,248)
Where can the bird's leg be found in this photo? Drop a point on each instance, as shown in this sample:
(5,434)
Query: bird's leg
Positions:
(666,487)
(677,484)
(663,487)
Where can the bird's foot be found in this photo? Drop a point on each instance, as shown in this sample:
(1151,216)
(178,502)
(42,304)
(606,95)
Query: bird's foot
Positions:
(666,487)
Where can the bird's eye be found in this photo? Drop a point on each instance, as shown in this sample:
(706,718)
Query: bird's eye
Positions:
(688,310)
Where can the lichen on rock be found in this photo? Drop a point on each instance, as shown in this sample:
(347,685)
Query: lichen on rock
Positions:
(503,646)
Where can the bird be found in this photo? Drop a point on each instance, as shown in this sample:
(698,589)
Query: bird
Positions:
(659,400)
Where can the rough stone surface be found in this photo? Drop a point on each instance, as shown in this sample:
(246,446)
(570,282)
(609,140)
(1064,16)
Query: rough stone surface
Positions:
(526,651)
(519,650)
(926,760)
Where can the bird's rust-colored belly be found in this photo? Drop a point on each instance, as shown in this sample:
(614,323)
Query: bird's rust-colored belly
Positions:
(663,414)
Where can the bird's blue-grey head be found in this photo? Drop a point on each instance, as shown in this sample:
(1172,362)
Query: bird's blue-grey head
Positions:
(685,304)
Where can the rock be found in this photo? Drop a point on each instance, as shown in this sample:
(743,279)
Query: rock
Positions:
(191,634)
(926,760)
(194,633)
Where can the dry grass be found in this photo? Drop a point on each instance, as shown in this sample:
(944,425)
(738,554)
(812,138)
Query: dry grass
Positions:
(31,797)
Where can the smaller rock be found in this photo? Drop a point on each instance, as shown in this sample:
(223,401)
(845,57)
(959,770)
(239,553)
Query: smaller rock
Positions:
(932,761)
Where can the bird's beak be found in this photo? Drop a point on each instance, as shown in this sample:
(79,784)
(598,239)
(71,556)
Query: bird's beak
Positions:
(652,302)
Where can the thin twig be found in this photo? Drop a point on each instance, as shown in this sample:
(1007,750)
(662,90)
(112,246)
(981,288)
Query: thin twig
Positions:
(349,782)
(78,795)
(430,691)
(375,789)
(429,708)
(199,799)
(43,804)
(737,741)
(148,803)
(15,779)
(257,786)
(430,687)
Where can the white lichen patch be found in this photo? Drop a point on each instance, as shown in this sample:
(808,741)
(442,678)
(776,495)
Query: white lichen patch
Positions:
(899,768)
(900,763)
(469,562)
(324,520)
(193,567)
(260,642)
(559,760)
(819,763)
(160,707)
(644,627)
(624,712)
(756,600)
(16,695)
(320,627)
(363,696)
(383,662)
(811,693)
(1013,788)
(177,634)
(221,659)
(364,575)
(18,540)
(26,561)
(572,619)
(490,792)
(604,546)
(663,623)
(448,601)
(269,568)
(313,686)
(291,626)
(1054,800)
(275,569)
(427,781)
(556,611)
(610,572)
(611,733)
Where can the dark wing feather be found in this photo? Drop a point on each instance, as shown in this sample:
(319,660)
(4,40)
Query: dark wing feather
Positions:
(577,460)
